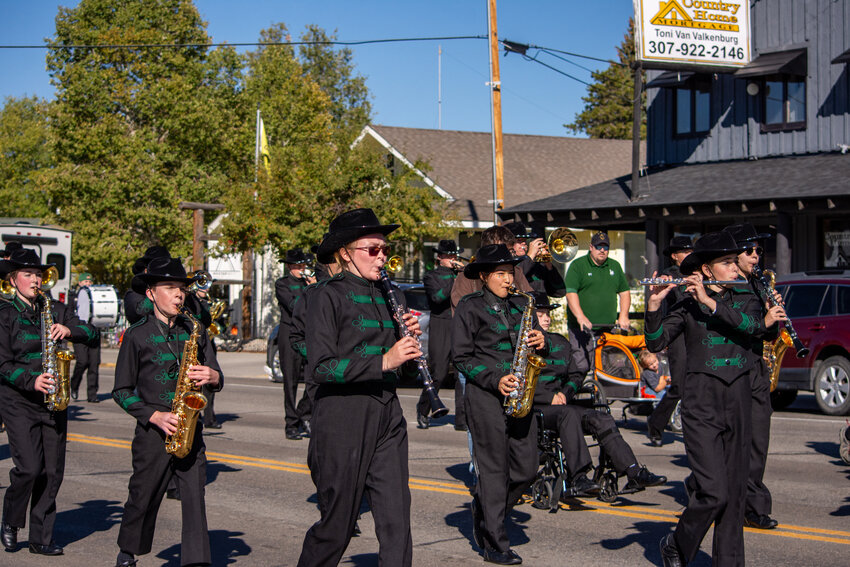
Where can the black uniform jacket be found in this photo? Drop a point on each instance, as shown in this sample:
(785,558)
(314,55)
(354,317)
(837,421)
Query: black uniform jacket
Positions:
(558,375)
(438,289)
(298,324)
(137,306)
(542,278)
(482,347)
(20,344)
(287,289)
(351,327)
(149,364)
(719,344)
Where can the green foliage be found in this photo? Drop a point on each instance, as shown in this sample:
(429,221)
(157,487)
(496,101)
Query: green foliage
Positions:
(609,104)
(25,150)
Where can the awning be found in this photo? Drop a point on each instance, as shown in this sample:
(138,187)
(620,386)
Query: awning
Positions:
(670,79)
(792,62)
(843,58)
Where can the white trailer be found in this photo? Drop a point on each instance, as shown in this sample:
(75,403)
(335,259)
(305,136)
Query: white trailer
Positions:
(50,242)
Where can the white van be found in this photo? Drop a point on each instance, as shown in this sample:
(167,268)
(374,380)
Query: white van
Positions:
(50,242)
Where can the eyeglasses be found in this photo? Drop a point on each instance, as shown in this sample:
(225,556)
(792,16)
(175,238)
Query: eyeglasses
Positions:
(754,249)
(603,247)
(374,250)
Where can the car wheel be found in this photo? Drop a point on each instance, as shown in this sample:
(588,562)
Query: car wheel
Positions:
(832,386)
(781,399)
(675,423)
(277,375)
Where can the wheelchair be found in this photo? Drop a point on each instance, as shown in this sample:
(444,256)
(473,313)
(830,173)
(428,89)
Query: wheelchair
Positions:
(553,482)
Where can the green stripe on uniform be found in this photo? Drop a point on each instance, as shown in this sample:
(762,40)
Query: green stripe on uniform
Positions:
(651,336)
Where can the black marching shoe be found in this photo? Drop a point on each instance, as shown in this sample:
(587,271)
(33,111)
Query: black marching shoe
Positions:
(509,557)
(583,486)
(74,394)
(461,427)
(655,440)
(305,428)
(670,556)
(9,535)
(292,434)
(643,479)
(49,549)
(125,560)
(422,421)
(760,522)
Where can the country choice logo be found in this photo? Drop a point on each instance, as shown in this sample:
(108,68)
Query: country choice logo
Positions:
(698,14)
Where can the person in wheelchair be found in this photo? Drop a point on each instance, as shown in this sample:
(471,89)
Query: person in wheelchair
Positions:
(557,385)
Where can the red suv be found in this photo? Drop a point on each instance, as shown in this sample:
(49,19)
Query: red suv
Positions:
(818,304)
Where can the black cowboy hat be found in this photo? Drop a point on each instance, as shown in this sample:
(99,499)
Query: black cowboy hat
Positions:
(296,256)
(535,231)
(351,225)
(448,247)
(745,233)
(488,258)
(677,244)
(20,259)
(151,253)
(160,270)
(707,248)
(11,247)
(324,254)
(518,229)
(541,301)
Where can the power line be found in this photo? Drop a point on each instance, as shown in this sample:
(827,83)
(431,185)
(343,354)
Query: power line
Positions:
(245,44)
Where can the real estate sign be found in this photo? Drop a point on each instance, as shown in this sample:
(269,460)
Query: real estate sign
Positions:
(693,32)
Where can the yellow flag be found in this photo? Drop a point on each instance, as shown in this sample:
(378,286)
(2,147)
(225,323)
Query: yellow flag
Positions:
(264,149)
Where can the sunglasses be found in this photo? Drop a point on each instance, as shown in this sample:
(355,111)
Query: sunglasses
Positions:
(754,249)
(604,247)
(374,250)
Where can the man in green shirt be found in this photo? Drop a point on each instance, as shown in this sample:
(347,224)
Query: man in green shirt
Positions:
(594,282)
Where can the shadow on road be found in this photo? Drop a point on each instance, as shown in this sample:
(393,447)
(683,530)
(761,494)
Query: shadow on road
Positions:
(676,490)
(225,417)
(225,548)
(87,518)
(825,448)
(461,472)
(214,468)
(648,535)
(362,560)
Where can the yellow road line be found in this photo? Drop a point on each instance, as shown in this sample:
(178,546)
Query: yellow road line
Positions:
(635,512)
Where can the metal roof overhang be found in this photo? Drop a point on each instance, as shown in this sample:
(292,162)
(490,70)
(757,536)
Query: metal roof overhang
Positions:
(791,62)
(670,79)
(843,58)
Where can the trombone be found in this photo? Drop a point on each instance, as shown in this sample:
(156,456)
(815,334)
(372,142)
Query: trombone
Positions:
(561,247)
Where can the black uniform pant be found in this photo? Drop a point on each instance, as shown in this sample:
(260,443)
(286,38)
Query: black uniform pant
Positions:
(37,440)
(759,501)
(573,422)
(582,346)
(153,468)
(292,367)
(716,425)
(86,358)
(439,357)
(505,460)
(359,446)
(660,416)
(209,410)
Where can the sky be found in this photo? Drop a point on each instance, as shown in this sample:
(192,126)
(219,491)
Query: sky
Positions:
(402,77)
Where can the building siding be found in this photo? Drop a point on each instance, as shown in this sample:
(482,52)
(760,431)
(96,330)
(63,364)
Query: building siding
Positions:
(821,26)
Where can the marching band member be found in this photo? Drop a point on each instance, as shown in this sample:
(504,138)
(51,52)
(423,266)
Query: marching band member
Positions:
(438,290)
(359,434)
(483,343)
(542,276)
(37,436)
(719,323)
(146,375)
(10,247)
(87,357)
(559,381)
(287,290)
(759,501)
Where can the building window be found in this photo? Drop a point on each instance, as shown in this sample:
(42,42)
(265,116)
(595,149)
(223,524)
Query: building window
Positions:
(692,110)
(784,103)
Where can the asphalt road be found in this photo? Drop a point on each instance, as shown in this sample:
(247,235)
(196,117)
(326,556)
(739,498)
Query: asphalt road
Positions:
(260,500)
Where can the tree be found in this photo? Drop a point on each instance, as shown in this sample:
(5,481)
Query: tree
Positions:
(140,129)
(25,147)
(609,104)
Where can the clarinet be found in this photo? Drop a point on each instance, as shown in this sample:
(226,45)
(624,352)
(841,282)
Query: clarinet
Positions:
(802,351)
(437,407)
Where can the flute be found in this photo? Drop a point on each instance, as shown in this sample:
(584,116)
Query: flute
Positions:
(683,281)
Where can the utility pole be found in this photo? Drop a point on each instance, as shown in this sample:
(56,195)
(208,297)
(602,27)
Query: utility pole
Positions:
(198,229)
(496,99)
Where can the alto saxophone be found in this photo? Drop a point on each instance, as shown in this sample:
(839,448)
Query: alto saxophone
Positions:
(526,365)
(774,351)
(188,399)
(54,361)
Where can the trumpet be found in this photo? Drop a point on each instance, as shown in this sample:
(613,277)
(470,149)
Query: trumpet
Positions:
(458,263)
(561,247)
(202,281)
(683,281)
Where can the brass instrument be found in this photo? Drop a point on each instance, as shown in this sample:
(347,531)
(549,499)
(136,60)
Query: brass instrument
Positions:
(526,365)
(561,247)
(394,265)
(188,399)
(215,312)
(7,291)
(774,351)
(683,281)
(54,361)
(202,281)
